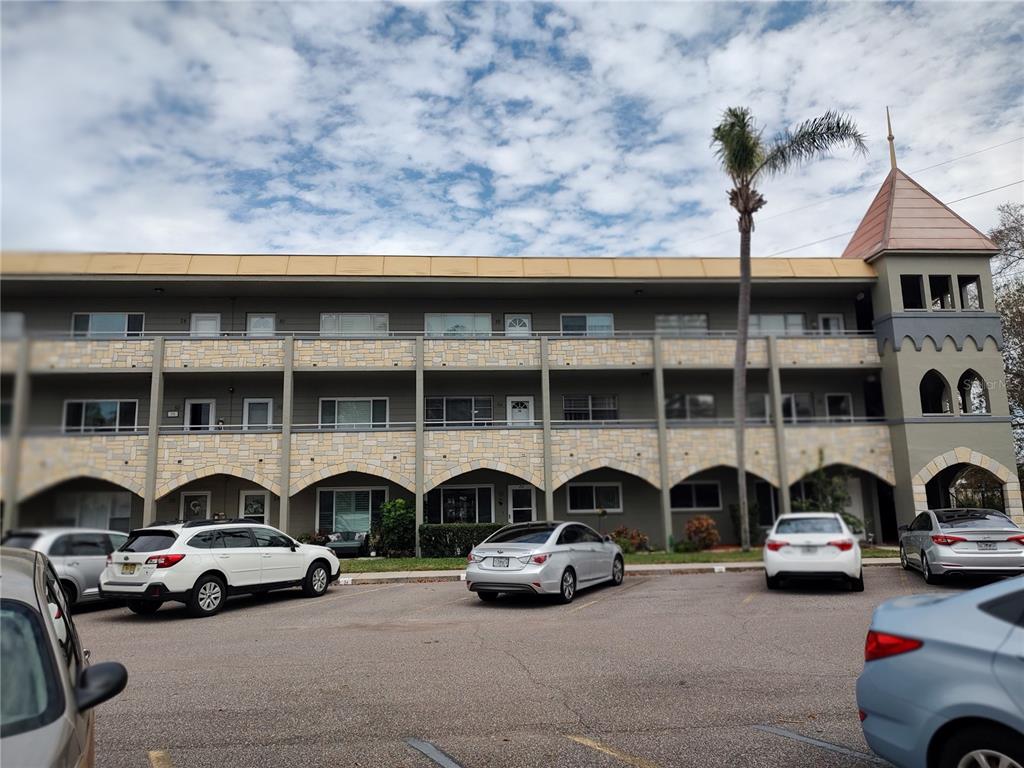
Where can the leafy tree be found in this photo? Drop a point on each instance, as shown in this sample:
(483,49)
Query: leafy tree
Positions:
(748,158)
(1008,234)
(826,492)
(1009,285)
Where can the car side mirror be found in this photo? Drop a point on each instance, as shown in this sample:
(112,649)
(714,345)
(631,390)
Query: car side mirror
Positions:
(903,528)
(99,683)
(607,537)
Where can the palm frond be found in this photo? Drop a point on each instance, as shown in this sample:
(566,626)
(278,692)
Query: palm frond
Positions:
(737,143)
(811,139)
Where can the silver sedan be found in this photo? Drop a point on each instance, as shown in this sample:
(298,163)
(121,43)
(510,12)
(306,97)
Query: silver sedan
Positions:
(962,540)
(546,558)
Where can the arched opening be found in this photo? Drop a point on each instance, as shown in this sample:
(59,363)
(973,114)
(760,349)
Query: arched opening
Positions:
(965,485)
(865,500)
(973,393)
(83,502)
(346,506)
(605,499)
(483,496)
(935,396)
(219,496)
(713,492)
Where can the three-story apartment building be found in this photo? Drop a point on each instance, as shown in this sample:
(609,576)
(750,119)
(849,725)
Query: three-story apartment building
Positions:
(304,391)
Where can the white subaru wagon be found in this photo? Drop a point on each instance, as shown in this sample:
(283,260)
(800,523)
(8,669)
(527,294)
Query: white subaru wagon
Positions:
(200,563)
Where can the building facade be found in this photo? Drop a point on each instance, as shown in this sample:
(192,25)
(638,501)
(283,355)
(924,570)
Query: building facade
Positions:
(305,391)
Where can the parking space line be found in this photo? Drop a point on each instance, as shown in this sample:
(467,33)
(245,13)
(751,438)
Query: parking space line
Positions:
(159,758)
(432,753)
(581,607)
(619,591)
(622,757)
(787,734)
(332,598)
(748,598)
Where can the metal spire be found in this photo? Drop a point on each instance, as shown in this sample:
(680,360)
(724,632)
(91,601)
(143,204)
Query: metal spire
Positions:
(891,138)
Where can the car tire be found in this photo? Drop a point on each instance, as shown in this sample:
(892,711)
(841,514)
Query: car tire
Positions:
(772,582)
(317,578)
(144,609)
(904,563)
(487,597)
(926,571)
(618,571)
(70,592)
(207,597)
(857,585)
(567,586)
(993,742)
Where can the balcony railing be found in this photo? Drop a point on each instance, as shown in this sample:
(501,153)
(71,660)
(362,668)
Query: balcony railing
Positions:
(195,429)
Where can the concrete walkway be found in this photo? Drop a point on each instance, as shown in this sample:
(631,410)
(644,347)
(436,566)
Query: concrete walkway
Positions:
(661,569)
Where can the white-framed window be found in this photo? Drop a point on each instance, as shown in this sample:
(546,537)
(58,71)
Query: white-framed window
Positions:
(831,323)
(457,323)
(587,498)
(100,415)
(518,324)
(839,406)
(94,509)
(354,412)
(692,324)
(460,504)
(257,412)
(354,323)
(690,406)
(254,505)
(797,406)
(777,324)
(696,496)
(588,324)
(348,510)
(194,505)
(590,407)
(260,324)
(459,411)
(107,325)
(204,324)
(200,413)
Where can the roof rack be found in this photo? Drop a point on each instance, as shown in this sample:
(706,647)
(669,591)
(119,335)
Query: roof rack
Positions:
(223,521)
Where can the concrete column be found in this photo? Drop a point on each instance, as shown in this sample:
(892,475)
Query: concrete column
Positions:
(545,415)
(156,409)
(775,389)
(420,481)
(19,419)
(285,472)
(659,405)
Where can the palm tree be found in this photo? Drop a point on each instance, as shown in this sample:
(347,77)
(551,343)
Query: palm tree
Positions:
(747,158)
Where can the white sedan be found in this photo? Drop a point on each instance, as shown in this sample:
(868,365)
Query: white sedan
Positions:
(812,545)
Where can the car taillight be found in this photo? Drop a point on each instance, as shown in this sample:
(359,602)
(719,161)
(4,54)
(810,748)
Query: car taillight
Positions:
(843,545)
(881,645)
(862,715)
(1018,539)
(946,541)
(110,559)
(774,545)
(534,559)
(164,561)
(472,557)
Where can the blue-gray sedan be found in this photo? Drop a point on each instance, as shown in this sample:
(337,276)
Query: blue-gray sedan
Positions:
(943,679)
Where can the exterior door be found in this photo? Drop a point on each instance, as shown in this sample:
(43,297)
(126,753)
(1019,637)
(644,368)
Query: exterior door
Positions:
(205,324)
(278,562)
(831,324)
(241,558)
(519,410)
(518,324)
(195,505)
(521,507)
(199,414)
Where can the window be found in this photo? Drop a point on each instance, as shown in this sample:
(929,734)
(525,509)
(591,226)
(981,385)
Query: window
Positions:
(348,510)
(690,407)
(12,325)
(205,324)
(912,287)
(593,497)
(268,537)
(94,509)
(534,534)
(591,324)
(459,411)
(839,407)
(766,497)
(82,545)
(973,393)
(100,415)
(696,496)
(681,325)
(195,505)
(207,540)
(6,411)
(30,684)
(797,406)
(518,324)
(353,324)
(257,413)
(1008,608)
(457,323)
(758,409)
(354,412)
(776,324)
(974,519)
(809,525)
(254,505)
(200,413)
(107,324)
(831,324)
(260,324)
(237,538)
(935,397)
(460,504)
(590,407)
(970,291)
(941,289)
(149,541)
(923,522)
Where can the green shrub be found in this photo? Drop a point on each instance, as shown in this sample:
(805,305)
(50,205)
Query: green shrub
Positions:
(687,546)
(397,536)
(453,539)
(702,531)
(630,540)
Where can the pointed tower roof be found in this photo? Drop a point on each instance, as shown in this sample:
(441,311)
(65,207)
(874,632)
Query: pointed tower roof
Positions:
(904,216)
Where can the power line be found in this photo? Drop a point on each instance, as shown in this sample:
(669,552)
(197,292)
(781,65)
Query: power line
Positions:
(994,189)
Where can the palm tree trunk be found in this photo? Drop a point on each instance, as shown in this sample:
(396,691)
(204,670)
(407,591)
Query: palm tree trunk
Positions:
(739,381)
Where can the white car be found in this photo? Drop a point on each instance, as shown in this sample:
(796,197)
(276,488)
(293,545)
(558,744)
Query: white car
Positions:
(201,563)
(812,545)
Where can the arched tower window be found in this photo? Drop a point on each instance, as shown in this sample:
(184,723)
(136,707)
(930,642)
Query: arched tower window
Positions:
(935,396)
(973,393)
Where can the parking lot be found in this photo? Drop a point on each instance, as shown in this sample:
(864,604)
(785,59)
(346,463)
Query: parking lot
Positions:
(708,670)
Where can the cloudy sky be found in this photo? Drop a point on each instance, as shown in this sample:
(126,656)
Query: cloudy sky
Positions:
(508,129)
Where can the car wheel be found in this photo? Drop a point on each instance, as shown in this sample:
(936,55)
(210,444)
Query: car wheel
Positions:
(487,597)
(207,597)
(618,571)
(903,559)
(857,585)
(772,582)
(316,581)
(144,609)
(926,569)
(981,746)
(69,592)
(567,586)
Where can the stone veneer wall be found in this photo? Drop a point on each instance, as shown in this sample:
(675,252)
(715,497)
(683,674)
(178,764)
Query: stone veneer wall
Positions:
(710,353)
(223,353)
(593,352)
(829,351)
(451,452)
(866,447)
(481,353)
(48,460)
(1011,482)
(355,353)
(390,454)
(692,450)
(633,450)
(52,354)
(255,456)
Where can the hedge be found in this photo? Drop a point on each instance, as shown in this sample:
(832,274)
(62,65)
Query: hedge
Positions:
(453,539)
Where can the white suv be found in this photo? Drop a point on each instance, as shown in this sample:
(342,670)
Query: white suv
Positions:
(201,563)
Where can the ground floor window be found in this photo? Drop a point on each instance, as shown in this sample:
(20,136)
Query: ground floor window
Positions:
(195,505)
(254,505)
(95,509)
(705,495)
(348,510)
(766,497)
(460,504)
(594,497)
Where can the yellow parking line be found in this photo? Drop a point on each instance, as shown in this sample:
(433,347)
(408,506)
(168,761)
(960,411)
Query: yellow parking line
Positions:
(748,598)
(158,758)
(622,757)
(581,607)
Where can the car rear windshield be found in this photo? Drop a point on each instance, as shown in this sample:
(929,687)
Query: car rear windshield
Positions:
(809,525)
(148,541)
(20,540)
(974,518)
(531,535)
(29,694)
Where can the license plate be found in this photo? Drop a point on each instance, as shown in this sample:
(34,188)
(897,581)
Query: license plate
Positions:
(986,546)
(128,569)
(810,550)
(499,562)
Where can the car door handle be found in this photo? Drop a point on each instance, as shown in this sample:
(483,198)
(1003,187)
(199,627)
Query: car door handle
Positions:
(223,557)
(73,562)
(267,555)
